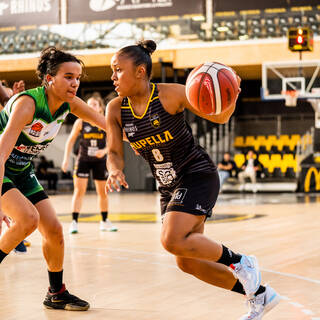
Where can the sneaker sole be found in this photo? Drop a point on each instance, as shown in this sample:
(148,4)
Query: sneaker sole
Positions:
(20,252)
(110,230)
(67,307)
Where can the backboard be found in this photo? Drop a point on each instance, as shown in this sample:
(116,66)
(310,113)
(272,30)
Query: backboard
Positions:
(280,78)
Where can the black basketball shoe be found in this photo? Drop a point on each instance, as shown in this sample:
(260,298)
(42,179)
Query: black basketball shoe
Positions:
(64,300)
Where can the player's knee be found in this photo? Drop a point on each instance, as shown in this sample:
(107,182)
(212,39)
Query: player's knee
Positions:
(55,233)
(171,243)
(79,193)
(29,223)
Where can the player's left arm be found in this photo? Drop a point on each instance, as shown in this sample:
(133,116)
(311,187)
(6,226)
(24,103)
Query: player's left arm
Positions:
(82,110)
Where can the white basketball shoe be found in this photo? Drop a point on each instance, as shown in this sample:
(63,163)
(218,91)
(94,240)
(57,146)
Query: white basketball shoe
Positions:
(107,226)
(261,304)
(248,273)
(73,227)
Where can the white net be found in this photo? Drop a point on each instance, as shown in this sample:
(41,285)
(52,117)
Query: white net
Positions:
(291,98)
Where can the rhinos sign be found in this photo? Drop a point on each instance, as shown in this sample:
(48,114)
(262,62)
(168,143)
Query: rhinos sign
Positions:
(94,10)
(15,13)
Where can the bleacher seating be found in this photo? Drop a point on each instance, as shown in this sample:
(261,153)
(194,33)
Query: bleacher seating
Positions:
(271,144)
(35,40)
(257,24)
(276,154)
(239,159)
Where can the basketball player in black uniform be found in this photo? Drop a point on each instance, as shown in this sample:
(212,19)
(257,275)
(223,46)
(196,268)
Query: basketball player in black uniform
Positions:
(153,119)
(91,157)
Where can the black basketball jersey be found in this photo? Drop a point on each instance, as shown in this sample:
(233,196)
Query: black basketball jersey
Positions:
(91,139)
(164,140)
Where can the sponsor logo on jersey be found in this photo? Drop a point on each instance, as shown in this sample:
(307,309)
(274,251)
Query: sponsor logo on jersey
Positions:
(130,129)
(155,120)
(165,172)
(34,150)
(93,135)
(87,128)
(35,130)
(152,140)
(179,195)
(199,207)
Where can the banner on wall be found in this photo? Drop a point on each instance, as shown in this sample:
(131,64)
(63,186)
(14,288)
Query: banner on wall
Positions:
(99,10)
(236,5)
(17,13)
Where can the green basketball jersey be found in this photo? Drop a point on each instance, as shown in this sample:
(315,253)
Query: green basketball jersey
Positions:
(37,135)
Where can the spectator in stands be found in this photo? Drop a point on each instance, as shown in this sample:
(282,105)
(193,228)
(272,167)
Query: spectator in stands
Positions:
(91,158)
(226,168)
(44,173)
(249,170)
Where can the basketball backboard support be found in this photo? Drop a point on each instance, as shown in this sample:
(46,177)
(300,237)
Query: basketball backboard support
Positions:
(279,78)
(315,103)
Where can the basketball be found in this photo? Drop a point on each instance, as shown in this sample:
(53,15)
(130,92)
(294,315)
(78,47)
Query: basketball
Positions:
(212,87)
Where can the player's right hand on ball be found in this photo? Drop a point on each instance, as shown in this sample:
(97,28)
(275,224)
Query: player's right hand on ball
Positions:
(115,180)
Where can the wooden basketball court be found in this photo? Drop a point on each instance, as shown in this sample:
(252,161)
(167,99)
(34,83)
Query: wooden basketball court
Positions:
(127,275)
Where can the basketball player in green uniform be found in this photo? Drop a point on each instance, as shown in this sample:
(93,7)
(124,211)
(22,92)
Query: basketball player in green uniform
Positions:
(28,124)
(91,157)
(153,119)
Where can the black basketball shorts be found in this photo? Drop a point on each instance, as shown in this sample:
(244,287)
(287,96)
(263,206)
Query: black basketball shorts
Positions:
(196,193)
(99,169)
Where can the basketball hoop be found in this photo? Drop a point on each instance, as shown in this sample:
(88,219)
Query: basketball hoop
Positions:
(290,97)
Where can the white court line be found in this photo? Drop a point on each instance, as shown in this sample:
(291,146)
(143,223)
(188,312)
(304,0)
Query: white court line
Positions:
(290,275)
(307,312)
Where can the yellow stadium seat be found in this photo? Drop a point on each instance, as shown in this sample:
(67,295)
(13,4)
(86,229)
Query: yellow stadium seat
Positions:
(286,162)
(279,144)
(272,138)
(285,142)
(264,159)
(275,162)
(250,141)
(239,159)
(284,137)
(293,141)
(261,144)
(295,137)
(238,142)
(271,141)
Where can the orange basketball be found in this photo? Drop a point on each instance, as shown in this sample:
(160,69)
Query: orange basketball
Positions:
(212,87)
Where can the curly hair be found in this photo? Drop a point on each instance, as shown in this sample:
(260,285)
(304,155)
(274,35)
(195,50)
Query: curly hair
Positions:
(50,60)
